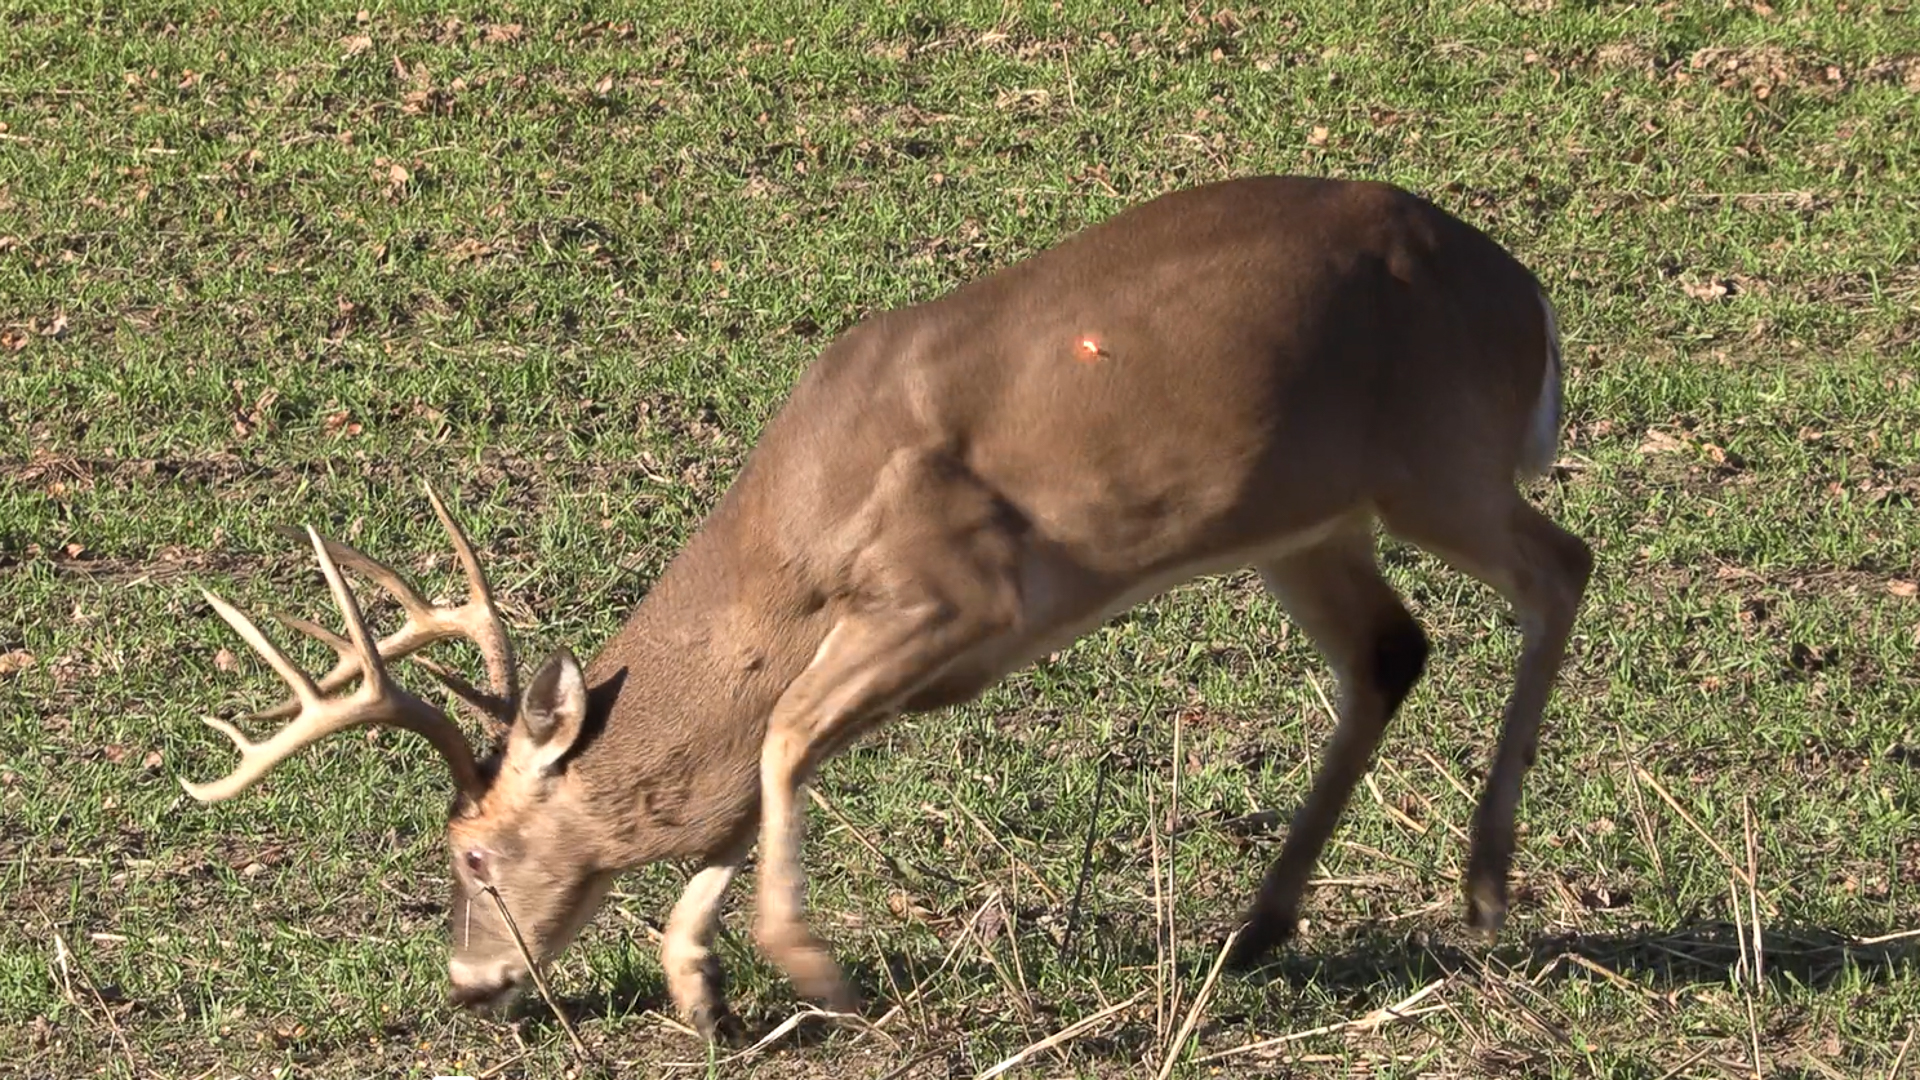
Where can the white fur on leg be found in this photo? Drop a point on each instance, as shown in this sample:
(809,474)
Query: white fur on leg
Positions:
(690,929)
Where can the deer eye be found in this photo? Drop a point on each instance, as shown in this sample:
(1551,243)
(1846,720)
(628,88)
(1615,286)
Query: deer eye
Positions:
(477,863)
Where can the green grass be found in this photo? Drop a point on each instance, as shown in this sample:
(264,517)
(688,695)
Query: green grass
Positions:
(266,265)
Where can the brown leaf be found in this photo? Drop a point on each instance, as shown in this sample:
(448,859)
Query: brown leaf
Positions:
(603,86)
(115,753)
(153,760)
(342,423)
(225,660)
(500,33)
(355,44)
(13,339)
(1706,292)
(16,660)
(1660,442)
(1904,589)
(56,328)
(1317,137)
(469,250)
(75,549)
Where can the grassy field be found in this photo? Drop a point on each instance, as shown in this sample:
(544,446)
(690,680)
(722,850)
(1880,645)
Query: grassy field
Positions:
(268,265)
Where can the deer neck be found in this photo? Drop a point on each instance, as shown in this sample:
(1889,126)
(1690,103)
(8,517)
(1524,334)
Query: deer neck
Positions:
(685,688)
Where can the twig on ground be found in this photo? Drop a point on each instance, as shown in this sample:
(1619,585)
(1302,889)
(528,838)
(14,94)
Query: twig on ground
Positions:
(1086,858)
(1052,897)
(1171,1055)
(67,965)
(1399,1010)
(1725,856)
(1159,927)
(1173,891)
(1900,1058)
(806,1012)
(1753,890)
(1065,1034)
(899,870)
(539,983)
(1687,1064)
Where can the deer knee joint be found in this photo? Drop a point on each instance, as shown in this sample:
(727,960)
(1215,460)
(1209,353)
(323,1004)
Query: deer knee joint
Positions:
(1399,659)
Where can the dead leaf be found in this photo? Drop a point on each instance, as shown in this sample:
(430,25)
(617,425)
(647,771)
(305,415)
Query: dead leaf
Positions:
(1317,137)
(153,760)
(13,339)
(56,328)
(501,33)
(603,86)
(75,549)
(469,250)
(342,423)
(1660,442)
(355,44)
(225,660)
(1707,292)
(1904,589)
(16,660)
(115,753)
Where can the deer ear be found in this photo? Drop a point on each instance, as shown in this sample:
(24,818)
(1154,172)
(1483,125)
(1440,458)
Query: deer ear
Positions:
(554,710)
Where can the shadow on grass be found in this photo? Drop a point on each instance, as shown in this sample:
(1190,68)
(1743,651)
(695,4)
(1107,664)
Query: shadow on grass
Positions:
(1693,954)
(1696,954)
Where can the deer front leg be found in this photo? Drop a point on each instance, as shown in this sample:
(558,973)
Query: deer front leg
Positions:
(694,978)
(931,572)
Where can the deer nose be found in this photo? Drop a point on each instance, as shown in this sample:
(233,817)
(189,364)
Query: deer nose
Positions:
(484,987)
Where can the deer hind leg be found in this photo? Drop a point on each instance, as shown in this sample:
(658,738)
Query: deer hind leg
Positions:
(1335,593)
(1542,570)
(932,574)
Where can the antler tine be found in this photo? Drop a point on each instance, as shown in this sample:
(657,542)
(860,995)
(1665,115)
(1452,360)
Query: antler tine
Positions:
(478,620)
(496,647)
(423,627)
(485,707)
(378,701)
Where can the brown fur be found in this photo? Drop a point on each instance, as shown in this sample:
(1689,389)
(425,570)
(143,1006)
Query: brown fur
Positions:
(1244,373)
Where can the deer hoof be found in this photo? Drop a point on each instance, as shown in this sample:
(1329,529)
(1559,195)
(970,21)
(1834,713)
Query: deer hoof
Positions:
(1486,907)
(1261,934)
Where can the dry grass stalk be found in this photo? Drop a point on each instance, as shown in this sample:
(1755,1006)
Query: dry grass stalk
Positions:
(1641,819)
(539,982)
(1052,897)
(1171,1055)
(1900,1058)
(67,966)
(1159,927)
(1753,889)
(1173,886)
(1725,856)
(1064,1035)
(916,996)
(1400,1010)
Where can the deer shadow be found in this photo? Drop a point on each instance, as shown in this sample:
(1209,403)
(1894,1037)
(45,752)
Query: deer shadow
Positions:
(1695,953)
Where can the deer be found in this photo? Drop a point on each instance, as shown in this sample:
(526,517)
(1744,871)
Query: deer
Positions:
(1252,373)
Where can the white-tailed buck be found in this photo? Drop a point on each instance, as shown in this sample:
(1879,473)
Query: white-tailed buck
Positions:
(1248,373)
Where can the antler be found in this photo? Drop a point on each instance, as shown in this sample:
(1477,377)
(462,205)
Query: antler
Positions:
(477,620)
(378,700)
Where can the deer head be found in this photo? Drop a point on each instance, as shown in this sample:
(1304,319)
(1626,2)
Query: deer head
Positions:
(523,882)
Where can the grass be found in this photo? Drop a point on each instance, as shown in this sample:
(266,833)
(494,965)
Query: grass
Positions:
(271,264)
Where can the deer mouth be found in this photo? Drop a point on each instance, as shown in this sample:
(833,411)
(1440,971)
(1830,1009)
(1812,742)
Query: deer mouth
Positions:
(485,988)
